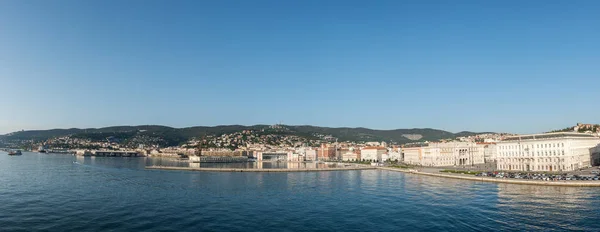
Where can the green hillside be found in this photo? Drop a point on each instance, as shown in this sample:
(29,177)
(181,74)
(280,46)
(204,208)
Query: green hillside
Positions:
(174,136)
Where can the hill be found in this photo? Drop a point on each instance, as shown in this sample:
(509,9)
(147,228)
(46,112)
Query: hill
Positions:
(174,136)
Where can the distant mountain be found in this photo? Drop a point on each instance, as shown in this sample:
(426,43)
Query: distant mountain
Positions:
(175,136)
(365,134)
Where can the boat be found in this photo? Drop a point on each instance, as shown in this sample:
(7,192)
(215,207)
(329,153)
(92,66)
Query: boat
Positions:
(15,153)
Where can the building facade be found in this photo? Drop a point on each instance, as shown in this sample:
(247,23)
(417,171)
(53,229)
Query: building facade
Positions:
(310,154)
(489,151)
(373,153)
(327,152)
(395,156)
(413,155)
(552,152)
(444,154)
(348,155)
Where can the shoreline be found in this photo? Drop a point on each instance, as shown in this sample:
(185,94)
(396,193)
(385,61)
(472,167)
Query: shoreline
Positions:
(501,180)
(256,170)
(454,176)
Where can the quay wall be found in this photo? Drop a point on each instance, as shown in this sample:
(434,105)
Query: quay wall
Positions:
(257,170)
(500,180)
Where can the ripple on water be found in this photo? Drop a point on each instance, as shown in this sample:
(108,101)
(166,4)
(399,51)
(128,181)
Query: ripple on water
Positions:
(49,192)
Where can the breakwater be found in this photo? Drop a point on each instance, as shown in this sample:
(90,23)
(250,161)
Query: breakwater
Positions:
(500,180)
(257,170)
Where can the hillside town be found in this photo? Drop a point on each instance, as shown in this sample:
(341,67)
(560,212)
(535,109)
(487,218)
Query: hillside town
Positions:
(564,150)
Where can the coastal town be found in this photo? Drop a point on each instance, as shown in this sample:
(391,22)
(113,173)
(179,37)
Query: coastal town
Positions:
(567,150)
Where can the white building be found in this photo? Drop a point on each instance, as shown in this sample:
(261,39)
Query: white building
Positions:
(489,151)
(444,154)
(395,156)
(373,153)
(310,154)
(349,156)
(413,155)
(563,151)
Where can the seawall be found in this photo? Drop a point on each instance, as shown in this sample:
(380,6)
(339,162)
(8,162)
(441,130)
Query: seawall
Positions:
(501,180)
(257,170)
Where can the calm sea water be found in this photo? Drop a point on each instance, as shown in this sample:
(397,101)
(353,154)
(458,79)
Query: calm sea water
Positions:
(40,192)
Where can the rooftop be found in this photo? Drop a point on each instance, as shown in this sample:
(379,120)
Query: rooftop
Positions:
(374,148)
(549,136)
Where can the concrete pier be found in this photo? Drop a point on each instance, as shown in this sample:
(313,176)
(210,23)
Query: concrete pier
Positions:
(258,170)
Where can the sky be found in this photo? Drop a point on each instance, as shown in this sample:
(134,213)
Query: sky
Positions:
(503,66)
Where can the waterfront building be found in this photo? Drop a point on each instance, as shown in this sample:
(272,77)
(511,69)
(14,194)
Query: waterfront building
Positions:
(384,157)
(295,157)
(349,155)
(327,152)
(489,151)
(413,155)
(395,156)
(562,151)
(310,154)
(444,154)
(373,153)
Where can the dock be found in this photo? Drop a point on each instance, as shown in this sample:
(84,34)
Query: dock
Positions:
(257,169)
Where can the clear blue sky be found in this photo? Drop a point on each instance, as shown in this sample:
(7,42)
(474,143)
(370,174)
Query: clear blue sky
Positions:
(506,66)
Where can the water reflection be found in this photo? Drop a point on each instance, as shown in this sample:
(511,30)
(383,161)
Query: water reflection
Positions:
(242,165)
(49,192)
(567,207)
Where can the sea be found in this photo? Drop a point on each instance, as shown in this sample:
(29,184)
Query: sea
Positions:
(58,192)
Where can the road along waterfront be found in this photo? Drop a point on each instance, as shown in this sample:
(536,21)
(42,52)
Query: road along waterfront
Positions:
(498,180)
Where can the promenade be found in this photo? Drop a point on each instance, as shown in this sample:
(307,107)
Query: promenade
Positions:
(497,180)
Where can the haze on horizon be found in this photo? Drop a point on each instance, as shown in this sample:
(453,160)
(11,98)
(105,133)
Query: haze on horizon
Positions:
(503,66)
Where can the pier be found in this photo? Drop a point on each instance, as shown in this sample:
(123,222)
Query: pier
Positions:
(258,170)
